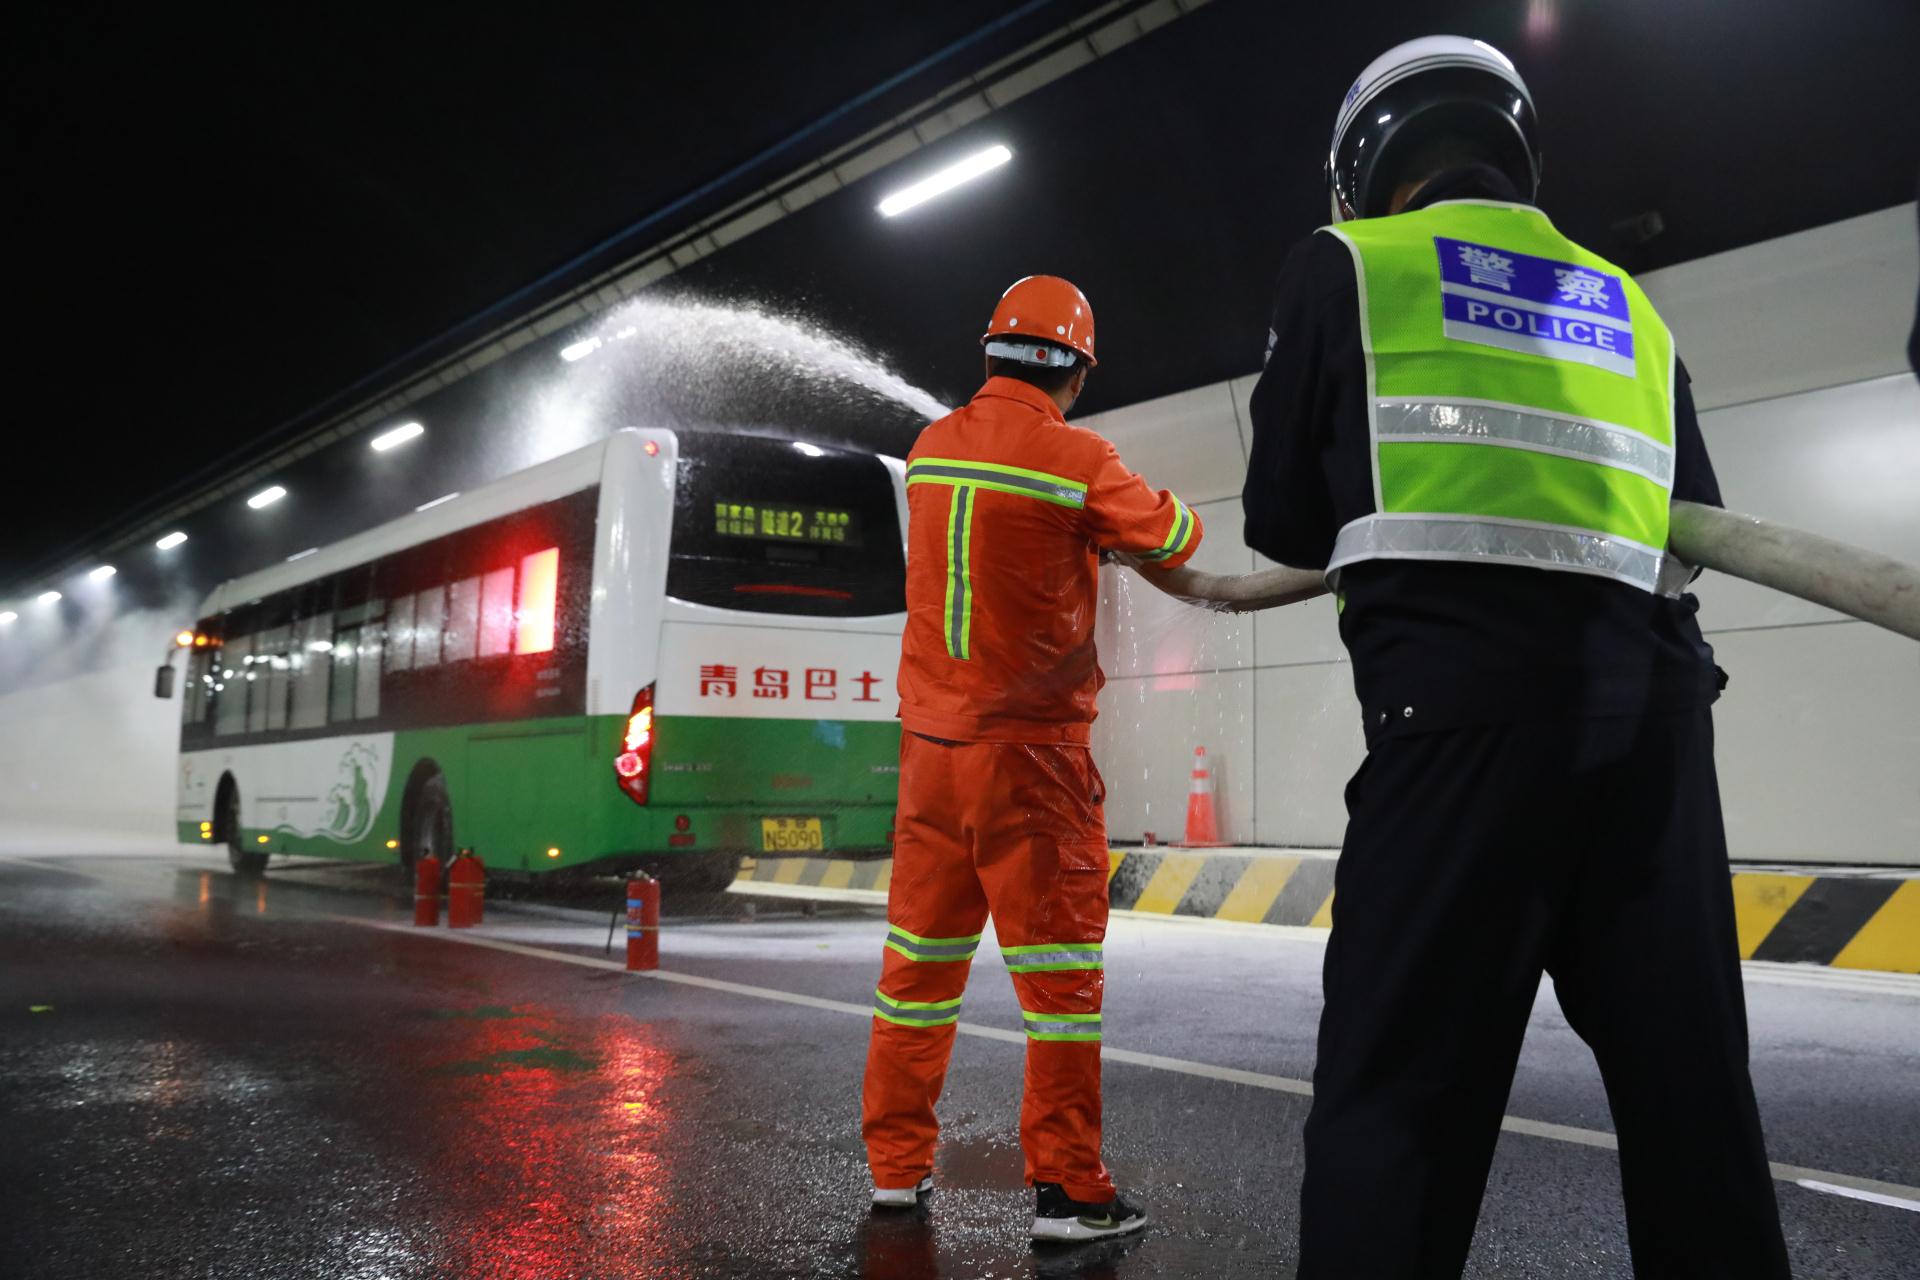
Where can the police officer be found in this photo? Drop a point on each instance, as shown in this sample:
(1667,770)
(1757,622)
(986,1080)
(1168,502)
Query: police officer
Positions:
(1475,426)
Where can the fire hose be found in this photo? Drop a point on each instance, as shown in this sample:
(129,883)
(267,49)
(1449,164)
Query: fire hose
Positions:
(1852,580)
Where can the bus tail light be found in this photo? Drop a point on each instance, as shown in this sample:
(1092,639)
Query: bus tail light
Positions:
(633,767)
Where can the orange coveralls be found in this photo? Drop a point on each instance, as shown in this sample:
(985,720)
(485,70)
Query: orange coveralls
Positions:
(1000,804)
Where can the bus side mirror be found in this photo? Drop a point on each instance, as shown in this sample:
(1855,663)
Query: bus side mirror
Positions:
(163,682)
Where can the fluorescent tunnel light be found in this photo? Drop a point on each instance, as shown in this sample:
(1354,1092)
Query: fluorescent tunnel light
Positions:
(266,497)
(579,350)
(48,597)
(6,616)
(398,436)
(171,541)
(945,180)
(101,574)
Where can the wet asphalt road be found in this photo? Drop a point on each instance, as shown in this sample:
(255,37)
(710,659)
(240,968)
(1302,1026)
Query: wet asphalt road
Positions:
(207,1076)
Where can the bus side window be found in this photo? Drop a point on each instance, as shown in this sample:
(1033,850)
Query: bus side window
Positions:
(366,696)
(460,641)
(429,609)
(310,669)
(267,709)
(496,613)
(193,708)
(230,688)
(400,634)
(346,648)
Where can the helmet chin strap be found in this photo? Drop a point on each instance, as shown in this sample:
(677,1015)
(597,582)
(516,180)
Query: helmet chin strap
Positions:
(1043,354)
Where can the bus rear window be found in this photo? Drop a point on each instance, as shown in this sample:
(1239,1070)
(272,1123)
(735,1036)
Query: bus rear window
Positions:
(766,526)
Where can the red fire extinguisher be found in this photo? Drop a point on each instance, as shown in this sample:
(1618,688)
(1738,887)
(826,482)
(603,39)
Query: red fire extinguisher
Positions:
(426,891)
(466,891)
(643,923)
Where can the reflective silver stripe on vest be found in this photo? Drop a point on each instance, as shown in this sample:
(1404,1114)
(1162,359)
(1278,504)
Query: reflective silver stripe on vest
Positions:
(1487,422)
(1411,537)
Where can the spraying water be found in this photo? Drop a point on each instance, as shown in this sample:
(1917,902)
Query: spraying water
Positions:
(694,363)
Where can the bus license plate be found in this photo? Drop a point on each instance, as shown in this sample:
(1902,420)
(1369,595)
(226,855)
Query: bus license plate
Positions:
(790,835)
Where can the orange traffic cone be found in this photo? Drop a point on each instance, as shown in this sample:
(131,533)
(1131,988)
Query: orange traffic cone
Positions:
(1203,829)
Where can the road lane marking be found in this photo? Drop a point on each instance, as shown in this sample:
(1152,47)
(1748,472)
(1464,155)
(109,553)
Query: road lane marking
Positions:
(1870,1190)
(1854,1193)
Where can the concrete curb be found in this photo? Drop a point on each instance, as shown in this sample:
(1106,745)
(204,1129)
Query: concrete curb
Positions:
(1844,921)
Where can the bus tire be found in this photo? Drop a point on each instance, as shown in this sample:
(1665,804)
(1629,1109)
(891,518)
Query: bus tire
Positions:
(226,823)
(709,872)
(429,827)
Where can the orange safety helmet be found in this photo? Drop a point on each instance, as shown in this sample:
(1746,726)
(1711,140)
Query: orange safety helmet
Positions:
(1042,307)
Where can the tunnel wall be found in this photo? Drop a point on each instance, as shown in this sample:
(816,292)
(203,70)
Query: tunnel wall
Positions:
(1796,352)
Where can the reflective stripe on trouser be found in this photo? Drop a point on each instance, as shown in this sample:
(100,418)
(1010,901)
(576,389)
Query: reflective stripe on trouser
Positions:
(1016,829)
(916,1013)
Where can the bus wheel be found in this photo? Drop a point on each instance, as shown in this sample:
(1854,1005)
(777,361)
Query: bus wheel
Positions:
(226,820)
(704,872)
(430,826)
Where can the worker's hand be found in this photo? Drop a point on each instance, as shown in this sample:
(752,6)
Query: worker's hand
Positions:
(1122,558)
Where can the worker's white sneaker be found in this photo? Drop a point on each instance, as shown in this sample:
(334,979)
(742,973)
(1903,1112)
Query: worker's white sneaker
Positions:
(1060,1219)
(901,1197)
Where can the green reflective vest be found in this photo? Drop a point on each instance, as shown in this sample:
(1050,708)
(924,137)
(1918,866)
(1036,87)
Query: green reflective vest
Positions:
(1520,397)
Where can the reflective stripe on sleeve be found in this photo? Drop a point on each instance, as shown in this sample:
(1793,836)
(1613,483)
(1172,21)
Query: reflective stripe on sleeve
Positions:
(1061,1026)
(1177,537)
(915,947)
(915,1013)
(1488,422)
(1050,956)
(1058,490)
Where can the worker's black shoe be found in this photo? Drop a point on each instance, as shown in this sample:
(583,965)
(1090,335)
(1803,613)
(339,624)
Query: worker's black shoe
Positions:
(1057,1218)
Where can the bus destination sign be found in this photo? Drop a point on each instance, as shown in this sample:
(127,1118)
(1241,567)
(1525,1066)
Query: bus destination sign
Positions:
(786,522)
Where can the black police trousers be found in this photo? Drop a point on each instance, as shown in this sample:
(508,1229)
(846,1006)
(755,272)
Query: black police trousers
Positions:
(1475,859)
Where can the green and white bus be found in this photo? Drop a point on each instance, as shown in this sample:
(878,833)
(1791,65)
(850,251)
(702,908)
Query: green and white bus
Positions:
(663,651)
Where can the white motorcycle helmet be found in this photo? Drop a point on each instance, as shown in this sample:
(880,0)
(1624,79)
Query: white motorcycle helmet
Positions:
(1420,90)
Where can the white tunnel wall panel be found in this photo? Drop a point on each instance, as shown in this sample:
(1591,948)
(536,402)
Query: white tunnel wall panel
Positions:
(1187,442)
(1144,742)
(1307,734)
(1843,461)
(1142,631)
(1297,633)
(94,753)
(1815,309)
(1240,391)
(1817,742)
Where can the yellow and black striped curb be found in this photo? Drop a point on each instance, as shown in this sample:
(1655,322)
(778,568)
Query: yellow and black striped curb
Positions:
(1850,922)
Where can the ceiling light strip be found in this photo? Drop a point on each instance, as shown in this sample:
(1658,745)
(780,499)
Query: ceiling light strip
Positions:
(1087,38)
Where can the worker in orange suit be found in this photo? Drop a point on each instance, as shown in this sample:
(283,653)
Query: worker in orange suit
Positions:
(1010,509)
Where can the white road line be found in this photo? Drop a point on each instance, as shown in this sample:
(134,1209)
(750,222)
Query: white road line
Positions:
(1867,1188)
(1854,1193)
(1871,1190)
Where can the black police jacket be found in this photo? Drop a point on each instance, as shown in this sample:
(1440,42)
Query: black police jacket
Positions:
(1439,645)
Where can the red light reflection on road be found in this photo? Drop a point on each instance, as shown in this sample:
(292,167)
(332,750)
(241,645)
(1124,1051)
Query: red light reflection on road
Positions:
(548,1131)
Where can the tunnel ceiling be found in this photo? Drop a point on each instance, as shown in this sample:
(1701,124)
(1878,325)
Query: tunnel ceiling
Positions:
(228,217)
